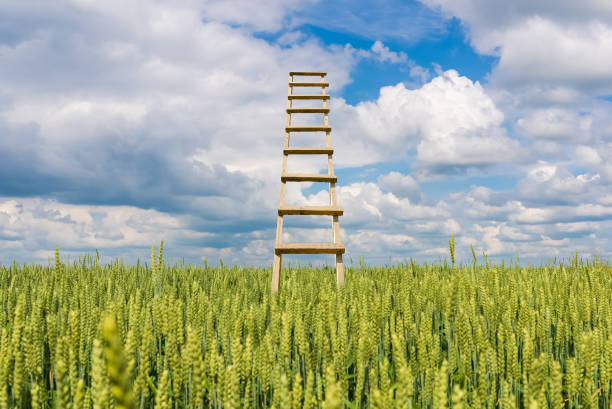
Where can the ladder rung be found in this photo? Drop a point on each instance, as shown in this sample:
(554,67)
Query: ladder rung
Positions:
(309,248)
(308,177)
(317,96)
(308,151)
(308,128)
(308,110)
(307,73)
(311,210)
(309,84)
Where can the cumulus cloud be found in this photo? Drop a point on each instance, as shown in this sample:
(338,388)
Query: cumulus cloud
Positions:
(401,185)
(149,121)
(544,51)
(450,123)
(547,183)
(394,226)
(149,107)
(366,202)
(31,228)
(490,14)
(163,116)
(556,124)
(156,108)
(375,223)
(501,223)
(384,54)
(588,155)
(481,203)
(551,70)
(578,227)
(27,226)
(544,43)
(163,127)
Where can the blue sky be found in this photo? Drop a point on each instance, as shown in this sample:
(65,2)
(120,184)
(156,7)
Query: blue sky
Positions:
(122,125)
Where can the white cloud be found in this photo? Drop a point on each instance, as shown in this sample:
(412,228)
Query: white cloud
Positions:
(606,200)
(365,202)
(562,214)
(291,37)
(157,108)
(489,14)
(548,242)
(31,225)
(375,222)
(449,121)
(269,15)
(556,123)
(148,106)
(578,227)
(490,239)
(514,233)
(501,224)
(420,73)
(401,185)
(479,210)
(543,51)
(384,54)
(150,120)
(593,158)
(381,243)
(555,184)
(560,43)
(542,173)
(553,59)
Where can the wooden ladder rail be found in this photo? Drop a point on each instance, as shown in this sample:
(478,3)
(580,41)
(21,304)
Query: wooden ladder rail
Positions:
(336,247)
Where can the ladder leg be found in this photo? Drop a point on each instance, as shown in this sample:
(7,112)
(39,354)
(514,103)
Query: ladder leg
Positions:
(339,270)
(278,258)
(276,270)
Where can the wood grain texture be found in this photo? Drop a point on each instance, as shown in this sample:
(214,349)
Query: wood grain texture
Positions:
(308,110)
(307,177)
(310,248)
(309,73)
(311,210)
(308,128)
(308,96)
(309,84)
(308,151)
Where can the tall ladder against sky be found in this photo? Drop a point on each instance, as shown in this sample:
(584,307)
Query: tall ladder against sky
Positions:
(336,246)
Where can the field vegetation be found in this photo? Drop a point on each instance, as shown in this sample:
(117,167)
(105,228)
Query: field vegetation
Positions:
(80,334)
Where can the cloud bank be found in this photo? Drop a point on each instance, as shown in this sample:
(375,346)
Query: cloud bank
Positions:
(124,124)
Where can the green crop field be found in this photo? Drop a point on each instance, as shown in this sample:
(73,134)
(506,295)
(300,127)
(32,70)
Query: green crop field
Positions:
(78,334)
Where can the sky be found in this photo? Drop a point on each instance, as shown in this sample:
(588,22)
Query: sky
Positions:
(126,123)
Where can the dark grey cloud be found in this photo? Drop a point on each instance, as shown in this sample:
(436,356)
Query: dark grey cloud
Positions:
(112,169)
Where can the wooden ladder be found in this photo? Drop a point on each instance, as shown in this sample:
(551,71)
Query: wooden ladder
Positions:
(336,247)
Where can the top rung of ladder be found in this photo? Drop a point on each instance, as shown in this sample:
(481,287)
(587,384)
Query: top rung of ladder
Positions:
(322,74)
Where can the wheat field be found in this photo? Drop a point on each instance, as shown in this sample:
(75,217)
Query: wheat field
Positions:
(80,334)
